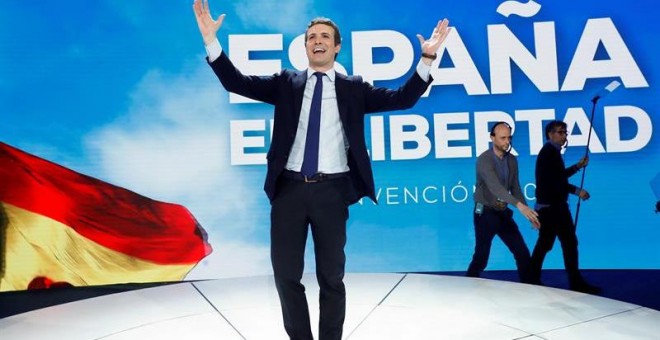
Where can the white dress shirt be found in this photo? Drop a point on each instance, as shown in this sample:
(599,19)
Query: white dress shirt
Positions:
(333,143)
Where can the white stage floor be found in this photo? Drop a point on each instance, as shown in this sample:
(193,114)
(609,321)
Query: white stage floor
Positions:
(379,306)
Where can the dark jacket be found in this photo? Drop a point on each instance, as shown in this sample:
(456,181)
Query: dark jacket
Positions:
(354,98)
(552,185)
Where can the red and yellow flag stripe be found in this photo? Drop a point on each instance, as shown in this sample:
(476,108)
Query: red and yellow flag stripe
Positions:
(73,228)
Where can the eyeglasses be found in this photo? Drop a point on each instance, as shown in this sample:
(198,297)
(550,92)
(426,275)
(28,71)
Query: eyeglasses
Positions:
(562,132)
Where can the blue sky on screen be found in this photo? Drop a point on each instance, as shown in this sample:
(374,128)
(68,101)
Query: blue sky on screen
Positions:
(121,91)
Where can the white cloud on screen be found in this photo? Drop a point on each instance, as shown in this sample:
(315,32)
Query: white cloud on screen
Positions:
(172,145)
(275,15)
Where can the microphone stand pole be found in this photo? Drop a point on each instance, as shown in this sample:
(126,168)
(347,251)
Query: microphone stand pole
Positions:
(586,154)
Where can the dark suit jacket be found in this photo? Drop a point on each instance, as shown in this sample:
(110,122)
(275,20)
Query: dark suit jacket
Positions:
(552,185)
(354,98)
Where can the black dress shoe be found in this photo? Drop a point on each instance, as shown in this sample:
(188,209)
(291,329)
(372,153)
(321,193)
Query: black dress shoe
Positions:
(586,288)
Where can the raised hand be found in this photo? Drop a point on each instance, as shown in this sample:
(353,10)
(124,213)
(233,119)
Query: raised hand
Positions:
(584,194)
(583,162)
(438,36)
(207,26)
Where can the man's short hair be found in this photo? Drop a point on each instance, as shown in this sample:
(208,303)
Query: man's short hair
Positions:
(552,126)
(325,21)
(492,129)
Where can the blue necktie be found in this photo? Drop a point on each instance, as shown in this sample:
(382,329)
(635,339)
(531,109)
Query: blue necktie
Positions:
(311,159)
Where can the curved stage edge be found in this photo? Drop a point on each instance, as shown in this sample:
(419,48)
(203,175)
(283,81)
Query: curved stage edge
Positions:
(379,306)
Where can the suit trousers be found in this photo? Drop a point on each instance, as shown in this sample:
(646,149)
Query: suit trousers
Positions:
(488,224)
(556,222)
(297,206)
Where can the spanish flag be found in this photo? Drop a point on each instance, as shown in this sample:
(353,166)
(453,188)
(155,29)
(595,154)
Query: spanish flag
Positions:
(59,226)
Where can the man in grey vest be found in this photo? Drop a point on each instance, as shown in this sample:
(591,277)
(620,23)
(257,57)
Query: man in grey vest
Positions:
(497,187)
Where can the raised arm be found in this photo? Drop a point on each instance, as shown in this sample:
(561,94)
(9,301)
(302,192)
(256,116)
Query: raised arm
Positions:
(207,26)
(573,169)
(430,47)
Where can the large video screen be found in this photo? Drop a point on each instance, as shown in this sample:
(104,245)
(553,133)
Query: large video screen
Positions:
(123,159)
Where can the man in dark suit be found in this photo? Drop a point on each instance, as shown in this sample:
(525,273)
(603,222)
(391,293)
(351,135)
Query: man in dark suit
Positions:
(317,162)
(552,189)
